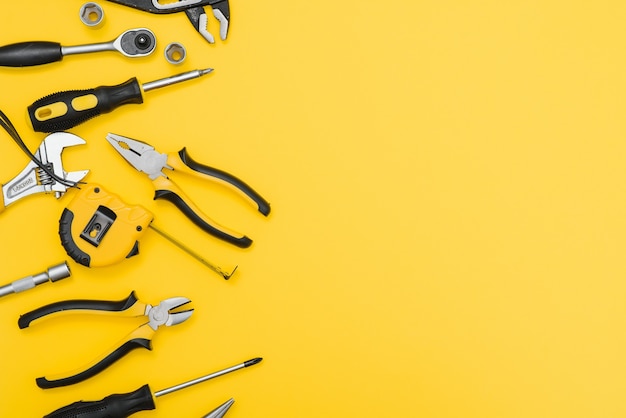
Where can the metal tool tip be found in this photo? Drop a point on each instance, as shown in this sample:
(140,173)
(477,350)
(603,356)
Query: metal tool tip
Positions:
(221,410)
(206,71)
(252,362)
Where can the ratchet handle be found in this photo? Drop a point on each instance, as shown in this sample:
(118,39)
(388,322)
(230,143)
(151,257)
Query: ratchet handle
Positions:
(64,110)
(27,54)
(113,406)
(96,367)
(248,192)
(78,304)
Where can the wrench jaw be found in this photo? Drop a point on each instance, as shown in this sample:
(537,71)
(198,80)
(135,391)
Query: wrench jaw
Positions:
(52,147)
(200,21)
(32,179)
(221,11)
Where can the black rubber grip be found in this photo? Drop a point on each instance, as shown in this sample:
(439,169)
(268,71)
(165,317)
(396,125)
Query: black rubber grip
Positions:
(263,205)
(67,241)
(113,406)
(117,354)
(149,5)
(77,304)
(243,242)
(27,54)
(108,99)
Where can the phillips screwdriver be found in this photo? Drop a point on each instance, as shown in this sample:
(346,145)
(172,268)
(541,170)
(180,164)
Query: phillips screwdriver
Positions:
(64,110)
(126,404)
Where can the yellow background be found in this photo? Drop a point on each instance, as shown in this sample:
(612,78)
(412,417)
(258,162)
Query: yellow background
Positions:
(448,229)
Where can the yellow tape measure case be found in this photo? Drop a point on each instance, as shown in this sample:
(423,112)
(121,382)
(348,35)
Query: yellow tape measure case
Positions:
(98,229)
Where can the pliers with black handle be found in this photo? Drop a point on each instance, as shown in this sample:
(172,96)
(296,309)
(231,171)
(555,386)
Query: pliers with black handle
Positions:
(144,158)
(156,316)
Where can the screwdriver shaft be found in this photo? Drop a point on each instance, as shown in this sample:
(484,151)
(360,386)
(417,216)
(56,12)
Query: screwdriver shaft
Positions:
(207,377)
(152,85)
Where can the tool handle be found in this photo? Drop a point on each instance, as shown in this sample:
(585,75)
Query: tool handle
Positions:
(185,163)
(113,406)
(64,110)
(27,54)
(124,305)
(140,338)
(168,190)
(158,8)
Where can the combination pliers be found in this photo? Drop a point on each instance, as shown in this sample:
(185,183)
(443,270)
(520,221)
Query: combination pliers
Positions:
(144,158)
(156,317)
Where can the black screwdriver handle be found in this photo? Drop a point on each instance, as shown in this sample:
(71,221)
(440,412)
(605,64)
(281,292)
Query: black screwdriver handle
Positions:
(113,406)
(64,110)
(27,54)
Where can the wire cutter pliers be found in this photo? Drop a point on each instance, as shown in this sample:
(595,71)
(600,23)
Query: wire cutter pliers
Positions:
(146,159)
(156,316)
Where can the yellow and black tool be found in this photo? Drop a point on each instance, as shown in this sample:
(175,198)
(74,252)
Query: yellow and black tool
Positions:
(155,317)
(98,229)
(159,167)
(66,109)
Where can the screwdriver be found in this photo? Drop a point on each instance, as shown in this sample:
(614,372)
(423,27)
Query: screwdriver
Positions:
(126,404)
(66,109)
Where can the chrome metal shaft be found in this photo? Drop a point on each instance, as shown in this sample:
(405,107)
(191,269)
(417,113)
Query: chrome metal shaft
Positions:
(175,79)
(53,274)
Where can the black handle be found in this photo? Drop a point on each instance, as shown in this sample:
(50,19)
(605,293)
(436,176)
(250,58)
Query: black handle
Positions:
(263,205)
(67,240)
(26,54)
(64,110)
(107,361)
(242,242)
(149,5)
(113,406)
(77,304)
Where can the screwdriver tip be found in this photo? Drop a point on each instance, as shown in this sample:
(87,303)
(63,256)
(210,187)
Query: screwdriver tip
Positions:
(252,362)
(206,71)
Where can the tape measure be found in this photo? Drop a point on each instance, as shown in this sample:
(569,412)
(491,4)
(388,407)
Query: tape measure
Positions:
(98,229)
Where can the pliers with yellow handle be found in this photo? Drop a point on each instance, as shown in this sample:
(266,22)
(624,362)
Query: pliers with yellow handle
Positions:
(156,316)
(146,159)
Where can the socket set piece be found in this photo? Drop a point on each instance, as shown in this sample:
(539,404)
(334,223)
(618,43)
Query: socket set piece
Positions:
(91,14)
(53,274)
(175,53)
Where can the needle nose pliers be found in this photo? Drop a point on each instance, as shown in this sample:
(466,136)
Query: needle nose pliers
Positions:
(144,158)
(156,317)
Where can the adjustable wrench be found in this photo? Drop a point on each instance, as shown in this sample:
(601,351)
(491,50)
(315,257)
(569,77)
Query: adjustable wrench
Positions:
(32,179)
(194,10)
